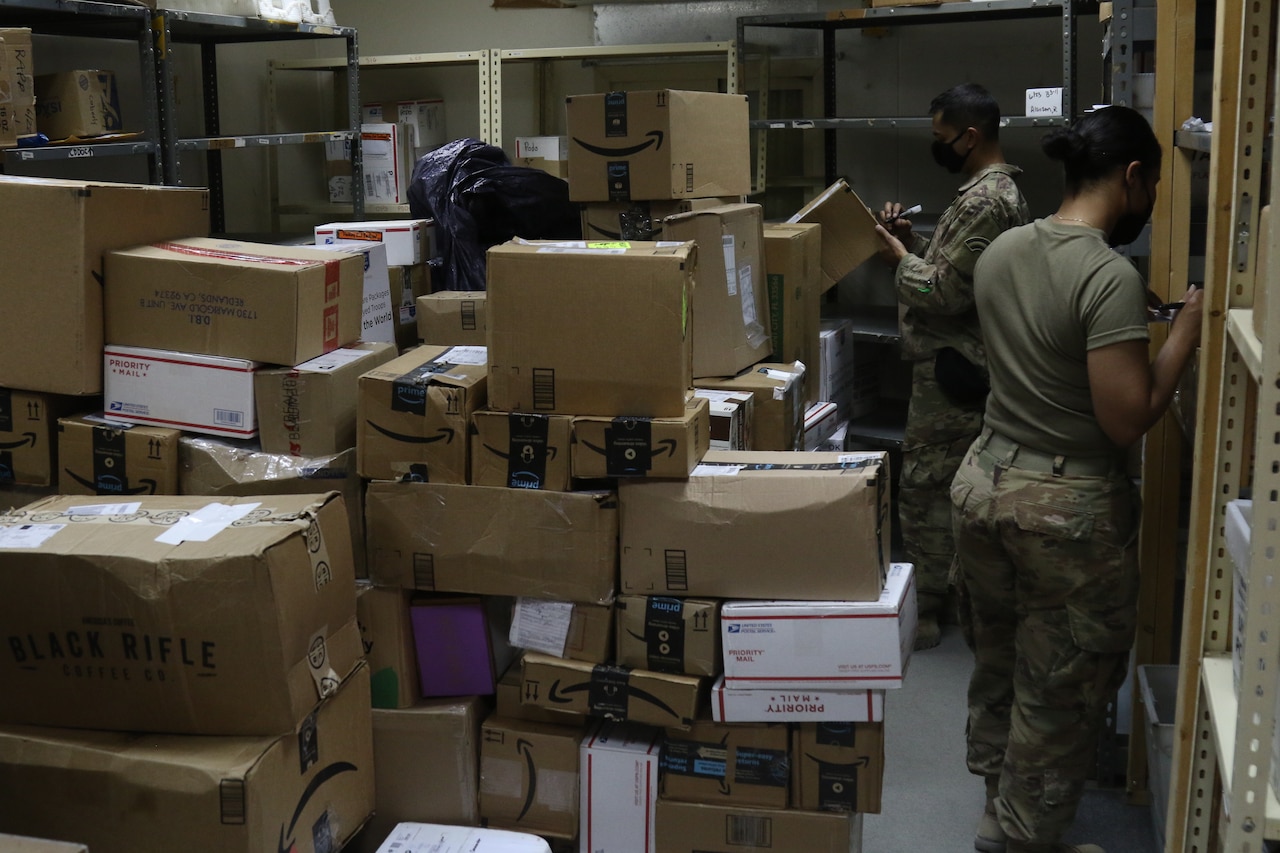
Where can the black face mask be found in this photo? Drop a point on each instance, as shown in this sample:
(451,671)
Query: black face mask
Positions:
(1129,226)
(946,157)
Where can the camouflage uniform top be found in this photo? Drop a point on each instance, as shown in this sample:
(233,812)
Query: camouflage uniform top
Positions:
(934,283)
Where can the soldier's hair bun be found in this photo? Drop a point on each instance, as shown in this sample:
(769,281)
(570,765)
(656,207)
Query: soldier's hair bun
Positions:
(1065,145)
(1101,142)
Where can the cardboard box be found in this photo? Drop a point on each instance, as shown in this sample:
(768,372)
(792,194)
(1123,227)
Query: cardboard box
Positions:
(702,828)
(837,767)
(216,468)
(760,525)
(614,692)
(728,764)
(307,789)
(521,451)
(777,421)
(529,776)
(640,220)
(822,644)
(493,541)
(657,145)
(730,303)
(17,86)
(310,410)
(408,284)
(731,415)
(408,241)
(378,309)
(76,104)
(793,269)
(848,371)
(200,393)
(641,447)
(421,119)
(744,705)
(114,626)
(669,634)
(848,230)
(452,318)
(100,458)
(619,791)
(337,170)
(564,629)
(629,353)
(820,422)
(388,162)
(386,636)
(434,838)
(414,414)
(27,844)
(274,304)
(837,441)
(57,233)
(28,437)
(509,704)
(461,643)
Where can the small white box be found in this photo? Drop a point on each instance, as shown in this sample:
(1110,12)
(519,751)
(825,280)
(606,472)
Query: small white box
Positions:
(387,163)
(730,418)
(425,119)
(378,312)
(200,393)
(408,241)
(820,422)
(546,147)
(836,441)
(798,705)
(436,838)
(619,788)
(1044,102)
(822,644)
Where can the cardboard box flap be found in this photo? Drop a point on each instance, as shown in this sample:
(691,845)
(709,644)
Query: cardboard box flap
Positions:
(721,210)
(683,252)
(202,250)
(456,367)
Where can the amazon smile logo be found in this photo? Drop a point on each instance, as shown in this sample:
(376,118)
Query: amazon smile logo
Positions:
(287,843)
(654,140)
(525,748)
(444,434)
(107,485)
(28,438)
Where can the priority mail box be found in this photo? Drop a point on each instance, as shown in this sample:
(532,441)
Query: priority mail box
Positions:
(822,644)
(529,776)
(837,767)
(748,705)
(306,789)
(378,306)
(100,458)
(663,634)
(175,614)
(641,447)
(436,838)
(657,145)
(820,423)
(74,104)
(414,414)
(581,329)
(849,234)
(387,157)
(199,393)
(763,525)
(461,643)
(408,284)
(57,233)
(563,629)
(253,301)
(793,270)
(386,637)
(619,791)
(408,241)
(731,417)
(730,303)
(310,409)
(614,692)
(521,451)
(640,219)
(27,844)
(704,828)
(777,421)
(452,318)
(508,703)
(28,436)
(439,537)
(720,763)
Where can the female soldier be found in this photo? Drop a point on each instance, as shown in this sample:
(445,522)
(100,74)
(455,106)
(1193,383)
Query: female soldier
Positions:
(1045,518)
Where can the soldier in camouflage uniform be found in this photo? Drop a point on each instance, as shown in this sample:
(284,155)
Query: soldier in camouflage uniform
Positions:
(940,334)
(1046,519)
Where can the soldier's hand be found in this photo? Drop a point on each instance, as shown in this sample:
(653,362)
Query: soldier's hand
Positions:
(892,250)
(891,218)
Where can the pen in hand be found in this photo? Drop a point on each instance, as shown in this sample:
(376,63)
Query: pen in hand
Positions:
(909,212)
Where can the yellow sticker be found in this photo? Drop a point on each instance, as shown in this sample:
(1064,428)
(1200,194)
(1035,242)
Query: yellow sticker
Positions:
(617,244)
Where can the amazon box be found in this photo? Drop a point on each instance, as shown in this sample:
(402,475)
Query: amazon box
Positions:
(639,220)
(172,614)
(210,394)
(57,233)
(660,144)
(777,419)
(414,414)
(408,284)
(452,318)
(96,457)
(669,634)
(529,776)
(730,303)
(27,844)
(793,269)
(439,537)
(728,764)
(521,451)
(641,447)
(508,703)
(746,705)
(28,436)
(408,241)
(839,645)
(837,767)
(731,415)
(77,104)
(619,790)
(629,354)
(310,410)
(614,692)
(563,629)
(704,828)
(848,230)
(386,635)
(260,302)
(307,789)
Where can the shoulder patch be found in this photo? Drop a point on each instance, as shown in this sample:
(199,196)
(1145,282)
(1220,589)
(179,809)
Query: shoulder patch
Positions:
(976,244)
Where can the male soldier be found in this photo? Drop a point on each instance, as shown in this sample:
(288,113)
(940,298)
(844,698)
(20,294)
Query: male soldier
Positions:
(940,333)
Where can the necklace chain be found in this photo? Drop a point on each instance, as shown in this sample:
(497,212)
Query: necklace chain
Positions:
(1061,218)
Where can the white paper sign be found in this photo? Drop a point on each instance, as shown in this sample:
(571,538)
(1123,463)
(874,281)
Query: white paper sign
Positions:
(466,355)
(1044,102)
(205,523)
(105,509)
(542,626)
(711,470)
(27,535)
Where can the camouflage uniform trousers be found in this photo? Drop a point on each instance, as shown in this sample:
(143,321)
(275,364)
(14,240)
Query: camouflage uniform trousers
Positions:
(1047,579)
(938,434)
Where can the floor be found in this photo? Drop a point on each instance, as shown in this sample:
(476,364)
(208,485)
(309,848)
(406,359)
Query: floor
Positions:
(931,802)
